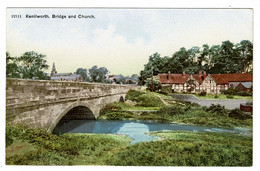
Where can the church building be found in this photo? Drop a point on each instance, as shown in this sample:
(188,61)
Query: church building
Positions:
(64,76)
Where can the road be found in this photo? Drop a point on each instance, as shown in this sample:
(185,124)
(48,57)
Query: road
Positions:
(229,103)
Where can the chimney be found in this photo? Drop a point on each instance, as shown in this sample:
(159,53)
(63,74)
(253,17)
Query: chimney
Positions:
(168,76)
(200,72)
(183,72)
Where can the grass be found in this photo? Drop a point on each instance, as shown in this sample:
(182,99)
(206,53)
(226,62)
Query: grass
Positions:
(37,147)
(188,149)
(176,148)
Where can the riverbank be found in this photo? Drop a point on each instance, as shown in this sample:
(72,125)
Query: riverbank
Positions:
(175,148)
(175,112)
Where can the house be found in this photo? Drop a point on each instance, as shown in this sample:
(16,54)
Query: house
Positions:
(177,82)
(225,81)
(246,86)
(64,76)
(210,83)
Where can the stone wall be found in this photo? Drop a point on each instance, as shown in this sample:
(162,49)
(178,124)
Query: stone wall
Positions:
(41,104)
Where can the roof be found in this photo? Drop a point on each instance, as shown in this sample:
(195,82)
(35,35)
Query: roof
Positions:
(199,77)
(237,77)
(173,78)
(247,84)
(62,74)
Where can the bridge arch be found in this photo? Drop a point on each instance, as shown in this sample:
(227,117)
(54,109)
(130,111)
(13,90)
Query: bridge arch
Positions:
(76,106)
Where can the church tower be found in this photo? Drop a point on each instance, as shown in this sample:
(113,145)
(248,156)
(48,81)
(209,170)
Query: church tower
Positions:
(53,71)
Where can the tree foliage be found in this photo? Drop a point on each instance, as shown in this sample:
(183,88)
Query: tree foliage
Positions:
(83,73)
(98,74)
(225,58)
(30,65)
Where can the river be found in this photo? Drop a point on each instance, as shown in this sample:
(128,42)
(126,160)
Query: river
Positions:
(137,130)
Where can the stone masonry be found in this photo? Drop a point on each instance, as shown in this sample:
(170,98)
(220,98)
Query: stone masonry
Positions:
(42,104)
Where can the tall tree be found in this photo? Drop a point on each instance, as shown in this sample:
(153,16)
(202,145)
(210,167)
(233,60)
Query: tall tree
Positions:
(32,66)
(245,50)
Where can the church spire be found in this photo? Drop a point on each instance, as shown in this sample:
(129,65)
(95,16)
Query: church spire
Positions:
(53,71)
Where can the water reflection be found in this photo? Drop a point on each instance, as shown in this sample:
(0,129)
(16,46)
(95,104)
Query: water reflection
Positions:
(134,129)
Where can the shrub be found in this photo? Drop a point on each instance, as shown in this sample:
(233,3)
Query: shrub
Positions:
(133,94)
(172,110)
(112,107)
(147,100)
(230,96)
(166,89)
(216,96)
(203,93)
(238,114)
(8,140)
(229,91)
(244,93)
(217,109)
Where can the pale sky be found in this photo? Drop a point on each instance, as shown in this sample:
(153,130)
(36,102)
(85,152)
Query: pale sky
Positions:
(121,39)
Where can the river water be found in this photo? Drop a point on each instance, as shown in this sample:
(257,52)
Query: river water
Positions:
(135,129)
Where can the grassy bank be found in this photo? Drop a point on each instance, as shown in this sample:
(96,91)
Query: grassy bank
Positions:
(175,111)
(36,147)
(188,149)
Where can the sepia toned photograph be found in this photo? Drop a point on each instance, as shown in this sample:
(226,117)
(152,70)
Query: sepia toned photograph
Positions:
(129,86)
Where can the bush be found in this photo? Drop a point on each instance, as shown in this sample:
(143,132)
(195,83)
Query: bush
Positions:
(238,114)
(133,95)
(147,100)
(166,89)
(8,140)
(244,93)
(217,109)
(203,93)
(229,91)
(230,96)
(113,107)
(216,96)
(172,110)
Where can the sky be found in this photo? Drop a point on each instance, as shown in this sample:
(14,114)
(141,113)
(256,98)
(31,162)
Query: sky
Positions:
(120,39)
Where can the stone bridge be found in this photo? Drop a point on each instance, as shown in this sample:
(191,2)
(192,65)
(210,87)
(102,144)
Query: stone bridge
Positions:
(42,104)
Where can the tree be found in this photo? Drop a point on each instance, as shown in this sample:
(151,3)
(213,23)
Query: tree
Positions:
(12,70)
(83,73)
(153,84)
(30,65)
(245,50)
(98,74)
(120,79)
(155,65)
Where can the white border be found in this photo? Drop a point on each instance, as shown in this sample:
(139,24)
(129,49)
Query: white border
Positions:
(255,4)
